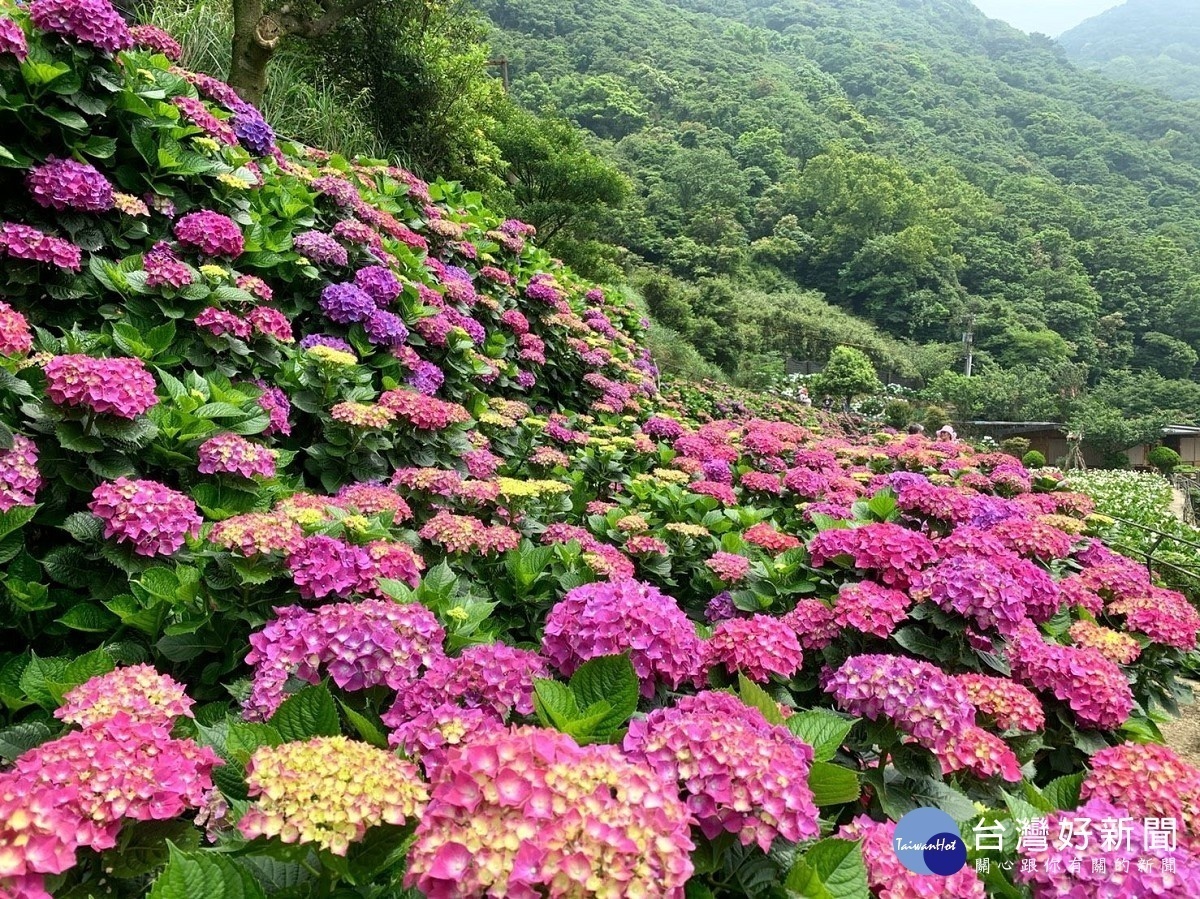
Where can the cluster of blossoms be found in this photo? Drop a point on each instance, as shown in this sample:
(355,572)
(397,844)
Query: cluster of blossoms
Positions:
(346,304)
(367,416)
(892,553)
(257,533)
(164,269)
(150,516)
(121,387)
(766,536)
(729,567)
(870,609)
(15,336)
(1033,538)
(66,184)
(324,566)
(231,454)
(528,812)
(1113,645)
(211,233)
(93,22)
(740,774)
(887,876)
(425,413)
(814,623)
(464,534)
(975,588)
(19,477)
(758,646)
(154,38)
(1093,686)
(137,691)
(918,496)
(606,561)
(320,248)
(12,40)
(1007,703)
(359,645)
(1105,862)
(328,791)
(926,704)
(624,616)
(23,242)
(1148,780)
(1165,616)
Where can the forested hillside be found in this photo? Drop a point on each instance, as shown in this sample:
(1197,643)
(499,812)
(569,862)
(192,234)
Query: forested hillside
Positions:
(1155,43)
(920,165)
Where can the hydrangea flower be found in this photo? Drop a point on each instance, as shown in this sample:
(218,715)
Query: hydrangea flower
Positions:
(325,566)
(252,129)
(1165,616)
(150,516)
(121,387)
(218,322)
(19,476)
(729,567)
(1007,703)
(66,184)
(889,879)
(271,323)
(464,534)
(93,22)
(379,283)
(1033,539)
(151,37)
(425,413)
(814,622)
(277,405)
(231,454)
(426,378)
(163,268)
(892,553)
(740,774)
(758,646)
(1093,686)
(257,533)
(137,691)
(766,536)
(1113,645)
(319,247)
(868,608)
(12,39)
(328,791)
(1148,780)
(211,233)
(624,616)
(1108,866)
(528,812)
(23,242)
(975,588)
(359,645)
(385,328)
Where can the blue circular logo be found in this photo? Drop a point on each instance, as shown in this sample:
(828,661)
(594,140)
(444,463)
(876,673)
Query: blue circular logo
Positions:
(927,841)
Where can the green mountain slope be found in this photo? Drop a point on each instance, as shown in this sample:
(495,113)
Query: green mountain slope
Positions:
(921,165)
(1155,43)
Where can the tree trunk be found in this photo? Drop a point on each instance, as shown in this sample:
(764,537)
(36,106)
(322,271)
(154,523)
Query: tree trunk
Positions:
(255,37)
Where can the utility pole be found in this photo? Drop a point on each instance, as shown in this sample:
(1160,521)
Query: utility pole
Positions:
(969,343)
(502,64)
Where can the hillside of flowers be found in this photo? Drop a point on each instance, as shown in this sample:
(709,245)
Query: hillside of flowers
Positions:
(350,546)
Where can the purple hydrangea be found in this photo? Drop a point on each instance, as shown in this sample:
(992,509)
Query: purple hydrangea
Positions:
(66,184)
(326,340)
(252,130)
(319,247)
(378,283)
(12,39)
(344,303)
(93,22)
(720,608)
(276,404)
(385,328)
(426,378)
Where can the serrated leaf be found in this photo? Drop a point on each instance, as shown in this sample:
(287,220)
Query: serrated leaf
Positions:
(839,866)
(39,676)
(609,679)
(367,729)
(936,793)
(311,712)
(84,527)
(16,517)
(89,619)
(757,698)
(203,874)
(1063,792)
(554,703)
(823,730)
(20,738)
(143,847)
(832,784)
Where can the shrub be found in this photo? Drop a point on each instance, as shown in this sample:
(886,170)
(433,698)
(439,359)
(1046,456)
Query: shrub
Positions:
(1164,459)
(1033,459)
(1015,446)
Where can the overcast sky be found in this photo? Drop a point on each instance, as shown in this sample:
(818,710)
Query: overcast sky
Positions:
(1051,17)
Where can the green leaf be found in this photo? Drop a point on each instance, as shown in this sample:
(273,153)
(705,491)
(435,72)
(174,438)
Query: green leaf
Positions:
(823,730)
(883,505)
(16,517)
(370,731)
(203,874)
(89,618)
(588,727)
(554,703)
(757,698)
(20,738)
(39,676)
(839,866)
(309,713)
(609,679)
(1063,792)
(832,784)
(936,793)
(66,117)
(805,883)
(144,847)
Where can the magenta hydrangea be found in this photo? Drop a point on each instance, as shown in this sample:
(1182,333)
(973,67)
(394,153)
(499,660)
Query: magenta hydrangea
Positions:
(976,589)
(277,405)
(814,622)
(357,645)
(758,646)
(891,553)
(232,454)
(93,22)
(66,184)
(868,608)
(1149,781)
(137,691)
(379,283)
(325,566)
(19,476)
(12,39)
(739,773)
(1006,703)
(889,879)
(154,519)
(1165,616)
(319,247)
(151,37)
(20,241)
(528,812)
(121,387)
(271,323)
(728,567)
(211,233)
(624,616)
(164,268)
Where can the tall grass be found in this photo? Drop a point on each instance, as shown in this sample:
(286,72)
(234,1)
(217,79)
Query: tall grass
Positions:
(301,103)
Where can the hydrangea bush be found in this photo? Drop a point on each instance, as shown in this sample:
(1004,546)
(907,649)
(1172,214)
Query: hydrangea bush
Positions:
(352,545)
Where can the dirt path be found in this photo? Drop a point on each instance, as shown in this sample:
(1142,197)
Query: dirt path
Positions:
(1183,734)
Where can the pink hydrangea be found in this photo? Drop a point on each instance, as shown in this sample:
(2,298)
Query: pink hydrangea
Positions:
(1165,616)
(624,616)
(1093,686)
(922,498)
(766,536)
(121,387)
(740,774)
(758,646)
(138,691)
(257,533)
(211,233)
(163,269)
(12,39)
(372,499)
(358,645)
(814,623)
(528,812)
(276,404)
(66,184)
(150,516)
(870,609)
(151,37)
(889,879)
(15,336)
(19,477)
(1108,842)
(392,560)
(975,588)
(425,413)
(729,567)
(325,566)
(271,323)
(1005,702)
(1033,539)
(93,22)
(23,242)
(892,553)
(232,454)
(1149,780)
(218,322)
(1113,645)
